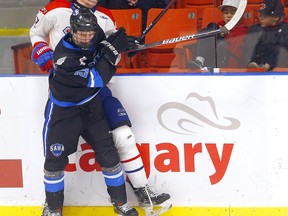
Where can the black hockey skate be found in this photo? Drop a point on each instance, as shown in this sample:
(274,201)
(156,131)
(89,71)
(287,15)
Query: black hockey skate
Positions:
(48,212)
(153,204)
(125,210)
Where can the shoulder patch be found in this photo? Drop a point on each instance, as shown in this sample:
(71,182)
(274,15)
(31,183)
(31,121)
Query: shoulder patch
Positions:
(106,11)
(60,61)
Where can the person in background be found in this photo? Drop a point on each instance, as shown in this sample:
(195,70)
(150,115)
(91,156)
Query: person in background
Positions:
(118,4)
(51,24)
(222,50)
(266,43)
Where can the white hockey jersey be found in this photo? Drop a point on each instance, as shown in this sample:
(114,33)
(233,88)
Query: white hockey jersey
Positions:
(53,22)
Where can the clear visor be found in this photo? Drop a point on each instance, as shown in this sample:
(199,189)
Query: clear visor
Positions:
(83,38)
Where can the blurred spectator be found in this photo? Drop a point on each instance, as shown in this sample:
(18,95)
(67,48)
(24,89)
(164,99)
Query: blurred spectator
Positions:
(266,43)
(223,50)
(118,4)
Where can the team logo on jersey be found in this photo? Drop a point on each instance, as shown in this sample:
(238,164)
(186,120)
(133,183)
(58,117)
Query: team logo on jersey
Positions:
(104,17)
(75,12)
(82,73)
(82,60)
(121,112)
(60,61)
(57,149)
(67,29)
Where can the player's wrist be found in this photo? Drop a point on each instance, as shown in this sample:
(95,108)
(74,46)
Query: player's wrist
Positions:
(40,42)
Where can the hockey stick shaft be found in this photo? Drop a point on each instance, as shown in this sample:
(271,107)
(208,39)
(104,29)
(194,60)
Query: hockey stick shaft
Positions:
(140,39)
(237,16)
(152,24)
(139,47)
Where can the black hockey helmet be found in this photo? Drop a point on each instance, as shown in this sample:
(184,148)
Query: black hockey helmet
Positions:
(83,19)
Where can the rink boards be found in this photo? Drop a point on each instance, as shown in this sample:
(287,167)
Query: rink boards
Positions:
(216,143)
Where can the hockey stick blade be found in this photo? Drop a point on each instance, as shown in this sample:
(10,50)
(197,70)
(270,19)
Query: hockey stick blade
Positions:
(224,29)
(237,16)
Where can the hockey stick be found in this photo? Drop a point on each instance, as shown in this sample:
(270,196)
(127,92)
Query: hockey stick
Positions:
(140,39)
(224,29)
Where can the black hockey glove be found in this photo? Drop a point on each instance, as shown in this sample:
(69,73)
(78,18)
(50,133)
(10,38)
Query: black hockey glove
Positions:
(132,41)
(114,45)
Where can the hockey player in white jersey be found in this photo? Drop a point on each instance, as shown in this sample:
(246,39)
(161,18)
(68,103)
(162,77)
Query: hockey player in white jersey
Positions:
(51,24)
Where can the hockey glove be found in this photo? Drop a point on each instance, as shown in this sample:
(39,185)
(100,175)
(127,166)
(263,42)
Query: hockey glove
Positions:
(42,55)
(132,41)
(114,45)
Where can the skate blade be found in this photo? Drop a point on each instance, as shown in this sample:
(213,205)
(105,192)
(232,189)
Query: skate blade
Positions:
(157,210)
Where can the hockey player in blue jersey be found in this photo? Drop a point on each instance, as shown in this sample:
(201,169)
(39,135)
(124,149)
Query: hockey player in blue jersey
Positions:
(84,62)
(52,22)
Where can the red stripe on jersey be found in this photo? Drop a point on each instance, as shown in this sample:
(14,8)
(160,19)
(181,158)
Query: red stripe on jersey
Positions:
(106,12)
(55,4)
(131,159)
